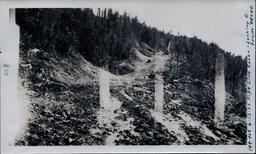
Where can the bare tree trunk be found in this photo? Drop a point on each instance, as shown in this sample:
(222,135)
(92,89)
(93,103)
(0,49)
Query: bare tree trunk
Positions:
(220,92)
(177,65)
(169,47)
(233,83)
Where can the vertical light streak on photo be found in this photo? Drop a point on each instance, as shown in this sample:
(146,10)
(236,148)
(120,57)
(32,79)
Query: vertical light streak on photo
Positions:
(159,93)
(220,92)
(104,90)
(160,62)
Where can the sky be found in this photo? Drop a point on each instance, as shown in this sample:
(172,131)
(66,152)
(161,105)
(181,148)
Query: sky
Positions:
(221,22)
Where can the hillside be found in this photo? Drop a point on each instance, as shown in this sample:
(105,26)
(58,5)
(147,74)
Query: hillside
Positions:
(65,107)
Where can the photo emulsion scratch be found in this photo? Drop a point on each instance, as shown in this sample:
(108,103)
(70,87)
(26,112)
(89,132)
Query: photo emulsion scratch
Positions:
(163,76)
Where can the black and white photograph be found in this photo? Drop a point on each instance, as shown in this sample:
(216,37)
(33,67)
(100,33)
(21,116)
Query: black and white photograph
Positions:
(126,76)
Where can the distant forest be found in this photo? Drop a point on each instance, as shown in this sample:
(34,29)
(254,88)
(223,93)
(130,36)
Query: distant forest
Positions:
(106,38)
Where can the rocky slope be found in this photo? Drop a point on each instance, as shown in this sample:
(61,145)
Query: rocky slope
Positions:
(65,110)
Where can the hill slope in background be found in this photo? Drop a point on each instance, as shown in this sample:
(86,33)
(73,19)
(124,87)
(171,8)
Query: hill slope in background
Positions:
(63,82)
(106,38)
